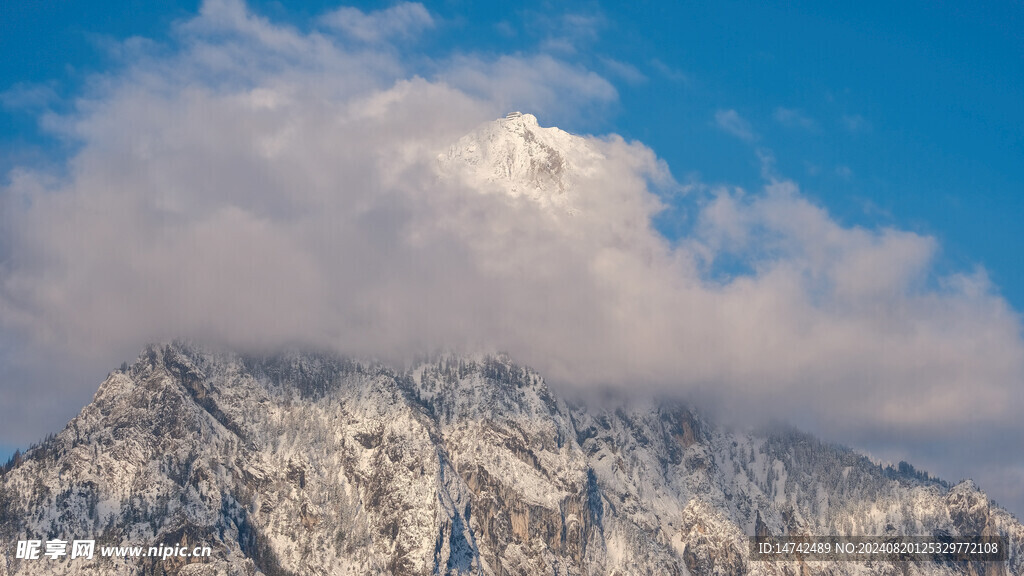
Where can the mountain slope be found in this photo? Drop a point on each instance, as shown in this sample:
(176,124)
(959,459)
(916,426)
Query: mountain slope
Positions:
(315,464)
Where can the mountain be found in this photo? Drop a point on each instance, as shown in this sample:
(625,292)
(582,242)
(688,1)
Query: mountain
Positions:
(517,156)
(310,463)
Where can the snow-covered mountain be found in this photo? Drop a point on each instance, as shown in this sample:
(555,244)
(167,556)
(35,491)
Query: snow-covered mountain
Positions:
(517,156)
(305,463)
(311,463)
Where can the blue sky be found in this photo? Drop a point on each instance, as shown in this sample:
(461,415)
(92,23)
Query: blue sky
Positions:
(904,117)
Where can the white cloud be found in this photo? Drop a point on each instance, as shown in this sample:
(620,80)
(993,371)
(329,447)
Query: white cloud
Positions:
(624,70)
(670,73)
(855,123)
(566,33)
(403,20)
(29,97)
(530,83)
(264,186)
(793,118)
(730,121)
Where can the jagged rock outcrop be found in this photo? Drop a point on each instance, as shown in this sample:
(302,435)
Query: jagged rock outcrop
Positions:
(316,464)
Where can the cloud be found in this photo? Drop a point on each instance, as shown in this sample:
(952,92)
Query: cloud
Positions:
(855,123)
(263,186)
(403,20)
(731,122)
(506,29)
(566,33)
(31,97)
(624,70)
(530,83)
(793,118)
(670,73)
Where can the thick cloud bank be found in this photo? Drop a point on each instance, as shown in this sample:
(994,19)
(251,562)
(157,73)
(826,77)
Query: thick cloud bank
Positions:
(261,185)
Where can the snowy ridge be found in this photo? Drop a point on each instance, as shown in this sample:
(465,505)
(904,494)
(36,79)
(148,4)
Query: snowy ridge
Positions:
(315,464)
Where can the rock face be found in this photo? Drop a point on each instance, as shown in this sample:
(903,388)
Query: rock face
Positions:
(315,464)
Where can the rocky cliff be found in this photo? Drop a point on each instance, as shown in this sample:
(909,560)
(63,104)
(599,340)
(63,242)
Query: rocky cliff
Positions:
(315,464)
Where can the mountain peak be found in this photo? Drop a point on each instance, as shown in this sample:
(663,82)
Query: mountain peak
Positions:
(519,157)
(520,119)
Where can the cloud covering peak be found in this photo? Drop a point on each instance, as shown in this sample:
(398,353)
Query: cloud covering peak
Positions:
(262,186)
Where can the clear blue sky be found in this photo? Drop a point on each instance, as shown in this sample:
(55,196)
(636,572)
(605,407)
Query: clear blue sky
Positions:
(901,114)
